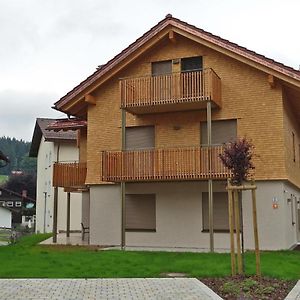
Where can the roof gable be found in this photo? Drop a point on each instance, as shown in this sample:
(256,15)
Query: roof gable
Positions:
(40,130)
(189,31)
(7,194)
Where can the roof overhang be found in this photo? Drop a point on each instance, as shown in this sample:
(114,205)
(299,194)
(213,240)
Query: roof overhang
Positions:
(75,102)
(67,124)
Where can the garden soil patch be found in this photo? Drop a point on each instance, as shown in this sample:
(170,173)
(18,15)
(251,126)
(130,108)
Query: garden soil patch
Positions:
(249,288)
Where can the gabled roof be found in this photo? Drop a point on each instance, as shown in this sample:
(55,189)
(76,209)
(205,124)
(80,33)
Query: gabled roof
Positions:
(50,136)
(180,27)
(18,195)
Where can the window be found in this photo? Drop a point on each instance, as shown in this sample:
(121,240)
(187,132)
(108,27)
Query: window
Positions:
(161,87)
(139,137)
(18,204)
(221,132)
(9,204)
(161,67)
(294,149)
(191,64)
(220,212)
(140,212)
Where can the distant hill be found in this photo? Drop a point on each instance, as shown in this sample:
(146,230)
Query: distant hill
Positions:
(17,151)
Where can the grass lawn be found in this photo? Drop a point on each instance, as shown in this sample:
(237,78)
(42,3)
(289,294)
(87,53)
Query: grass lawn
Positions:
(3,178)
(26,259)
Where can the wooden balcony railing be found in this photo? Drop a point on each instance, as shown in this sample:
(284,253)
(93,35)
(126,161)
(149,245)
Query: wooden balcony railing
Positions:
(69,174)
(163,164)
(159,93)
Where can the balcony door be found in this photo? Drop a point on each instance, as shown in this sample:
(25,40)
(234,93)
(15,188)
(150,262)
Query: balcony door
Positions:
(161,84)
(222,131)
(191,78)
(139,144)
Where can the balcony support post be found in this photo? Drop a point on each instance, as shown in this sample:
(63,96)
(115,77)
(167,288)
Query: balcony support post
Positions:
(55,204)
(210,184)
(123,187)
(68,213)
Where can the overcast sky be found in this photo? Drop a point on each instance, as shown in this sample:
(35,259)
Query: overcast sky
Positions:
(47,47)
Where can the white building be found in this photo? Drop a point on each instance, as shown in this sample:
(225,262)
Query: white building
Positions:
(49,147)
(5,217)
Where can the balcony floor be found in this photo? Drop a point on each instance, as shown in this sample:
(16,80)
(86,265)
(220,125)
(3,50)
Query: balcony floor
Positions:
(168,107)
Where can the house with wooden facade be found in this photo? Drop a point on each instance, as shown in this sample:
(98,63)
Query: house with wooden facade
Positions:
(157,116)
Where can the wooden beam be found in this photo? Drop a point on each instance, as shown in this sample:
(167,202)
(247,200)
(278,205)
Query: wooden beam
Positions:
(255,231)
(172,36)
(241,187)
(68,213)
(55,206)
(123,186)
(238,231)
(231,228)
(90,99)
(271,81)
(210,187)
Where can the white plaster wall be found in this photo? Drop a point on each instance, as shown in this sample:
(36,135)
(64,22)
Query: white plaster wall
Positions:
(5,218)
(85,209)
(292,219)
(271,222)
(68,152)
(105,215)
(44,185)
(179,216)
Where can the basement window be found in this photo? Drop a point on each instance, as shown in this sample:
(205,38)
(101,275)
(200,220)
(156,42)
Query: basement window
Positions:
(140,210)
(9,204)
(220,212)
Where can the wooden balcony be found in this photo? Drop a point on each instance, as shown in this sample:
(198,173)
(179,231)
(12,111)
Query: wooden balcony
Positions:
(171,92)
(163,164)
(69,175)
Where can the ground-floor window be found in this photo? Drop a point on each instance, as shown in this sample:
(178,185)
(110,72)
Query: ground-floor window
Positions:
(220,212)
(140,212)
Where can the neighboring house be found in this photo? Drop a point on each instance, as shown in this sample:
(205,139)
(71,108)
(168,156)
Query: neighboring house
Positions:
(146,141)
(49,147)
(20,205)
(5,217)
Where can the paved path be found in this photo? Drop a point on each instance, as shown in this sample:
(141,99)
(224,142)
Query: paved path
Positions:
(294,293)
(110,289)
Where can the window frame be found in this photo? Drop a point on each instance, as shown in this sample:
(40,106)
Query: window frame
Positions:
(9,204)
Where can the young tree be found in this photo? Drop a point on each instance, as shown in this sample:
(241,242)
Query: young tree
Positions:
(237,157)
